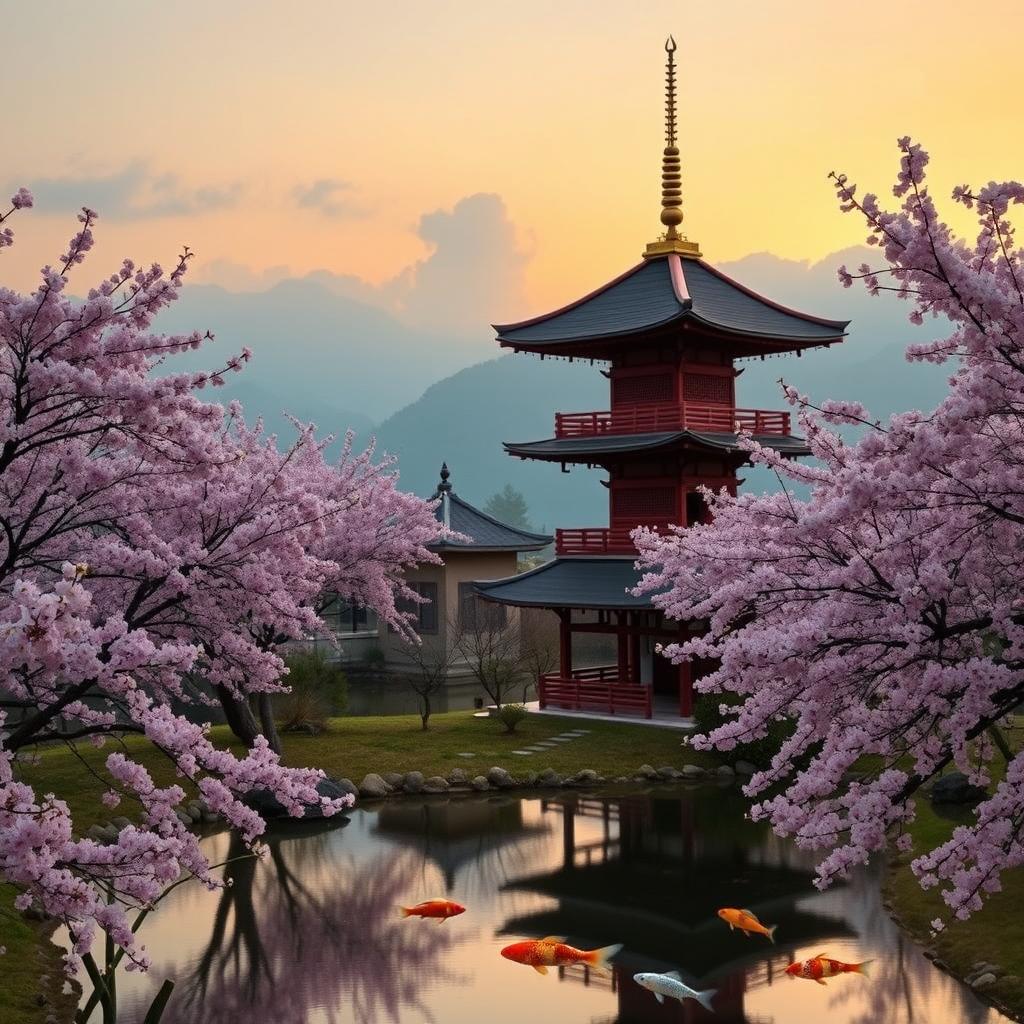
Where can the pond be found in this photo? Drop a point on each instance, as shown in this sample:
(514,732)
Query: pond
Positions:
(313,934)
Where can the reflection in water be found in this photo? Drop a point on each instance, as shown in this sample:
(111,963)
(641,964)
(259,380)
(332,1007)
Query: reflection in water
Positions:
(312,933)
(281,944)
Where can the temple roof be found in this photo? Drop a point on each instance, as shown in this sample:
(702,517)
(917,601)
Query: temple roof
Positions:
(484,532)
(571,583)
(594,449)
(668,290)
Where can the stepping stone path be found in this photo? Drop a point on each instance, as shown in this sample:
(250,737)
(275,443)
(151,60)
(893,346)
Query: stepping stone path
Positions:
(524,753)
(463,754)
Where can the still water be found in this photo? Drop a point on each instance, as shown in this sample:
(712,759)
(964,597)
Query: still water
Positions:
(313,932)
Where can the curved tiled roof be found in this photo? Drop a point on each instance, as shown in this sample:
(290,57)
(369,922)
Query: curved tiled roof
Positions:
(661,291)
(590,449)
(571,583)
(483,532)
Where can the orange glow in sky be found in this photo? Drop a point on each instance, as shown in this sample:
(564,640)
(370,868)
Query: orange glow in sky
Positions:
(317,135)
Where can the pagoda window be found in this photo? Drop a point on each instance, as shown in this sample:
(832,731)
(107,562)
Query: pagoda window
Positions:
(643,388)
(707,387)
(647,504)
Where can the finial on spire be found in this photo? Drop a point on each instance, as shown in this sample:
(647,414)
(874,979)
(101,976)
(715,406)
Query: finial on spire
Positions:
(671,179)
(444,487)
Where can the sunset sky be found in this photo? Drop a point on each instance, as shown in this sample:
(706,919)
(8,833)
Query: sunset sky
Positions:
(341,136)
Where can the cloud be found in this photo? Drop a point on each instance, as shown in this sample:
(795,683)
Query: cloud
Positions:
(132,193)
(475,275)
(327,195)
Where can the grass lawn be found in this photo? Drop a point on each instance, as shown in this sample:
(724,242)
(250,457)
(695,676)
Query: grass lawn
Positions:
(995,934)
(351,748)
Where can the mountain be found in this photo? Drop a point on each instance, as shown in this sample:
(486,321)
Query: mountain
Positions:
(463,419)
(317,354)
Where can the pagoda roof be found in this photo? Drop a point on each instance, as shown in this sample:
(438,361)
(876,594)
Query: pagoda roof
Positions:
(670,290)
(602,582)
(481,531)
(601,446)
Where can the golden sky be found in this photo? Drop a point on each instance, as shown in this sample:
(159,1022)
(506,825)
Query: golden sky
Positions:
(317,134)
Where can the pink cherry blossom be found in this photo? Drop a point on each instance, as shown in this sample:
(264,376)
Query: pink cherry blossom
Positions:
(884,615)
(155,548)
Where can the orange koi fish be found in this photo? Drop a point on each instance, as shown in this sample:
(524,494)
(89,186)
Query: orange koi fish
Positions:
(746,921)
(441,909)
(540,954)
(820,967)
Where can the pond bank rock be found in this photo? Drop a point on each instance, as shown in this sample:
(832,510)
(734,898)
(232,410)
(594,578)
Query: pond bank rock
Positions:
(457,777)
(480,784)
(394,779)
(414,782)
(956,788)
(647,771)
(373,786)
(264,803)
(745,768)
(435,784)
(693,771)
(500,777)
(549,777)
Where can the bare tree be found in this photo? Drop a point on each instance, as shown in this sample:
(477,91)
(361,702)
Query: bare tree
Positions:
(538,633)
(491,647)
(433,663)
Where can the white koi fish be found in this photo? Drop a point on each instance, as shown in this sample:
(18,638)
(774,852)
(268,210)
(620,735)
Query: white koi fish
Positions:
(672,985)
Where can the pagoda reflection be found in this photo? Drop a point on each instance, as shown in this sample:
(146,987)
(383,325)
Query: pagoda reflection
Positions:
(651,875)
(476,844)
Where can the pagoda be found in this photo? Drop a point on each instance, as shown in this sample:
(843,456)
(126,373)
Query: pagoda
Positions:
(670,332)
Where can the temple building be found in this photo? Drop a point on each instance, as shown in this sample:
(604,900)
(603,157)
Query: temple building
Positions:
(669,332)
(487,549)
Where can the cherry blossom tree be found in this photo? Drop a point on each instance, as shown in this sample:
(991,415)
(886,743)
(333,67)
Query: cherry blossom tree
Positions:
(884,614)
(146,538)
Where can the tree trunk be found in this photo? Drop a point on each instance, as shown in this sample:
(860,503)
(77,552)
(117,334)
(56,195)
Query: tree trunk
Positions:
(266,706)
(239,716)
(425,713)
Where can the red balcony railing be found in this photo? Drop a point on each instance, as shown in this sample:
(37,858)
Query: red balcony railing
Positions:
(597,690)
(646,419)
(595,540)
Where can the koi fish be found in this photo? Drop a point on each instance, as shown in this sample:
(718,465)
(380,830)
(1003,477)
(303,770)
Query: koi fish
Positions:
(820,967)
(672,985)
(441,909)
(540,954)
(746,921)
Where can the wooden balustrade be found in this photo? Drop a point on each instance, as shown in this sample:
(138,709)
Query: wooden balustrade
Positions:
(595,540)
(649,419)
(585,691)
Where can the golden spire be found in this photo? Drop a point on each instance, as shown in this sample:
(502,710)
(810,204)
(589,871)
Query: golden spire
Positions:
(671,180)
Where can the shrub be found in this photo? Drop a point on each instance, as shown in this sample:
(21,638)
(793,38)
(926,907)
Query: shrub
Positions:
(510,715)
(319,689)
(758,752)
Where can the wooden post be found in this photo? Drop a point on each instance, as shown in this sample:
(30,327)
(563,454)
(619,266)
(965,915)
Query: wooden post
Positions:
(634,654)
(564,643)
(622,659)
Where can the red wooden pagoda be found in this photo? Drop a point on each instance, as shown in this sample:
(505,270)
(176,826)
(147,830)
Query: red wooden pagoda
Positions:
(670,331)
